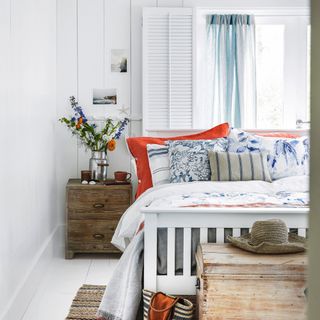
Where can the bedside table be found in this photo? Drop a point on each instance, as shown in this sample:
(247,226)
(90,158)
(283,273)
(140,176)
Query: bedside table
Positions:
(92,214)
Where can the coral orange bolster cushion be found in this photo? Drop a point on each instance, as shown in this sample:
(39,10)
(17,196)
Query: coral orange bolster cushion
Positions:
(138,149)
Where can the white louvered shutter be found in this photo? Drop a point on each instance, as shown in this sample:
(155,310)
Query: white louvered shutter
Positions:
(167,68)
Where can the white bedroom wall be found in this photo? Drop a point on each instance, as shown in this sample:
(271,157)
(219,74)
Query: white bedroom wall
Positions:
(28,212)
(87,31)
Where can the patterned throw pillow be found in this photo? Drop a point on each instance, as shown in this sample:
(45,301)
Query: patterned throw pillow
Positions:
(189,159)
(286,157)
(245,166)
(158,156)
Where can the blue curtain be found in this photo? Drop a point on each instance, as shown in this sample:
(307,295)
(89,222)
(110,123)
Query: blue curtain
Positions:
(231,70)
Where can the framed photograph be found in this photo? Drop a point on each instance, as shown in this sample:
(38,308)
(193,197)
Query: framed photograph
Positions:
(104,96)
(119,61)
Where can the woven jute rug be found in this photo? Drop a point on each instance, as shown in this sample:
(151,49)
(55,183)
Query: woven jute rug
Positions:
(86,302)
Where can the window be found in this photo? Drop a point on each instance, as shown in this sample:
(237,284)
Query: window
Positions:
(282,67)
(269,59)
(282,61)
(176,90)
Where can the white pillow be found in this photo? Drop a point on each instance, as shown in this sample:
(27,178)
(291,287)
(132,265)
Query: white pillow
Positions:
(286,156)
(158,156)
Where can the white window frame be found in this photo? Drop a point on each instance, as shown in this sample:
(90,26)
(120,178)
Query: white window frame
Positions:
(296,21)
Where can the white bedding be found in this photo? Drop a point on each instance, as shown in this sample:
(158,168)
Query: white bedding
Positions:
(155,196)
(234,200)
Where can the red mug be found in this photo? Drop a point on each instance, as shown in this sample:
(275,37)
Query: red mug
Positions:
(122,176)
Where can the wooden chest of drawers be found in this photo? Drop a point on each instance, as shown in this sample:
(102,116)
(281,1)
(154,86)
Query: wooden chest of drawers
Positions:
(92,214)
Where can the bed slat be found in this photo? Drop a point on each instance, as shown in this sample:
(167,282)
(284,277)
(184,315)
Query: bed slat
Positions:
(236,232)
(302,232)
(150,246)
(220,235)
(171,252)
(203,235)
(187,252)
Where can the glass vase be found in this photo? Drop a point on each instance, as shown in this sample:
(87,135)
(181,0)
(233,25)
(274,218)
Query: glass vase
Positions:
(98,165)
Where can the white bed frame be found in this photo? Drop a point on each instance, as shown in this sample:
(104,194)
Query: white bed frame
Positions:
(203,218)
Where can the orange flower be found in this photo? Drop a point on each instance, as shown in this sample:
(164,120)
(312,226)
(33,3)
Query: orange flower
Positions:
(80,121)
(111,145)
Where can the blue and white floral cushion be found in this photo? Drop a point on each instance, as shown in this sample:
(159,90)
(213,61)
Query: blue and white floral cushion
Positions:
(286,156)
(189,159)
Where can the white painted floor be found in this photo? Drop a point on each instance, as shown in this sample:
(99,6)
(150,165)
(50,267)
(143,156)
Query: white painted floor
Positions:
(61,281)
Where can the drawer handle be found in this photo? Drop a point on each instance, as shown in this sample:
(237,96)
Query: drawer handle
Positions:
(98,205)
(98,236)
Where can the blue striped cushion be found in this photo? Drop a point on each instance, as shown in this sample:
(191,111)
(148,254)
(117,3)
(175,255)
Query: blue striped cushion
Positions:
(231,166)
(158,156)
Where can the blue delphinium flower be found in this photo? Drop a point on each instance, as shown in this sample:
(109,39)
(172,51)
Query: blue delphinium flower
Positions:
(121,128)
(77,109)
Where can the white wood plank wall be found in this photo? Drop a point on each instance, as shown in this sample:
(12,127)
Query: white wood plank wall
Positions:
(87,30)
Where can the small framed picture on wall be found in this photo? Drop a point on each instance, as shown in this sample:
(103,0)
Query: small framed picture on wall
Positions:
(119,60)
(104,96)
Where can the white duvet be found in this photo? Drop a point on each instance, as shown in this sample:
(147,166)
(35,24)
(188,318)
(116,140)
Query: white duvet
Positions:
(171,194)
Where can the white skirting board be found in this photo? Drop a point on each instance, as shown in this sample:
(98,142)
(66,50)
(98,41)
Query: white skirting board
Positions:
(22,296)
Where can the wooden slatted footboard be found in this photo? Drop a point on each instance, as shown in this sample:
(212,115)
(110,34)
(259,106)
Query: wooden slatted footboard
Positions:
(233,221)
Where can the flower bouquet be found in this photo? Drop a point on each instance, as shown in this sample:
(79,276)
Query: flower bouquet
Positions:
(99,139)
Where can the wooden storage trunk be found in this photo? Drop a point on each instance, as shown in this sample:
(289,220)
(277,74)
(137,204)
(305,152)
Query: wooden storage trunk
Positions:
(235,284)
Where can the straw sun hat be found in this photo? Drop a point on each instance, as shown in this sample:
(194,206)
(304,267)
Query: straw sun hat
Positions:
(270,237)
